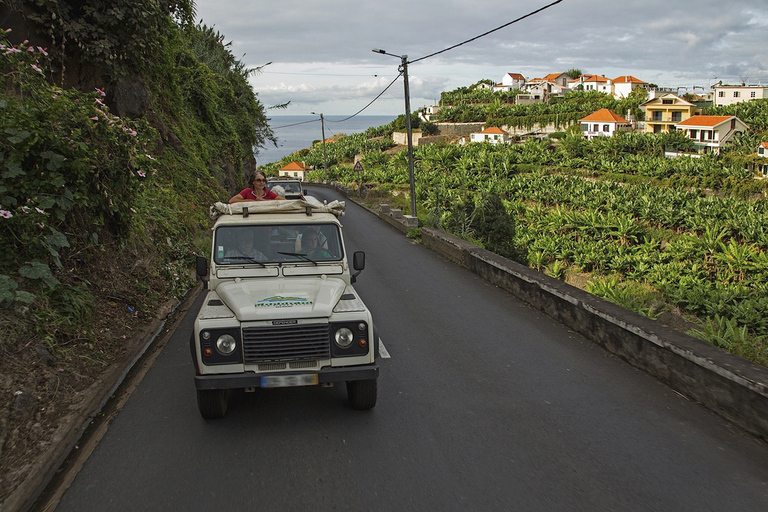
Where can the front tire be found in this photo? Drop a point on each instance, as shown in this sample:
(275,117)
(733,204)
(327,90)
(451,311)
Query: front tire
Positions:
(212,403)
(362,393)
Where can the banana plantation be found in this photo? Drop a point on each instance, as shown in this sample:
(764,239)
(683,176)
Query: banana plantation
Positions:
(649,233)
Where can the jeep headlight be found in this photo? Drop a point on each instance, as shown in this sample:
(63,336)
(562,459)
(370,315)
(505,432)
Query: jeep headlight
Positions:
(226,344)
(344,337)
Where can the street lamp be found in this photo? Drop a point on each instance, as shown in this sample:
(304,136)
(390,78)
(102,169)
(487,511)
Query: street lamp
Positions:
(404,70)
(325,154)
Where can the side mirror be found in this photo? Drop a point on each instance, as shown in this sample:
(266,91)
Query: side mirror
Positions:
(358,260)
(358,263)
(201,267)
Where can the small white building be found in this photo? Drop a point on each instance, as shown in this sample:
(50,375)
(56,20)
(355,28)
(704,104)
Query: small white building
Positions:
(623,85)
(710,133)
(513,80)
(494,135)
(294,170)
(730,94)
(603,123)
(762,151)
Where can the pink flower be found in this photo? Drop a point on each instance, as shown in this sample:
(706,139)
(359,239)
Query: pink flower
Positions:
(94,118)
(31,49)
(42,50)
(141,173)
(39,210)
(36,68)
(101,91)
(40,225)
(150,157)
(5,214)
(8,30)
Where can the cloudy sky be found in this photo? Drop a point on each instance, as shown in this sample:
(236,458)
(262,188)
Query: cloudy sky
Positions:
(321,58)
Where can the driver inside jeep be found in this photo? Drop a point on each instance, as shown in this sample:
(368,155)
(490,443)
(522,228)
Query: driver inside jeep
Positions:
(310,245)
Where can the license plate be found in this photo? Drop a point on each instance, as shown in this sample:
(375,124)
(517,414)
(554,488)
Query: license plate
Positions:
(284,381)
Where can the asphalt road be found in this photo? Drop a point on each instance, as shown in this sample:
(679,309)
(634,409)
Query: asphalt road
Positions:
(484,405)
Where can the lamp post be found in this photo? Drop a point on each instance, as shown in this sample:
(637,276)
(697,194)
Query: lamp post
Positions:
(325,154)
(404,70)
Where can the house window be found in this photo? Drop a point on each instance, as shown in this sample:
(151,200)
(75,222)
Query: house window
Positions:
(753,94)
(585,127)
(667,102)
(606,128)
(721,94)
(677,117)
(735,94)
(596,128)
(657,116)
(761,151)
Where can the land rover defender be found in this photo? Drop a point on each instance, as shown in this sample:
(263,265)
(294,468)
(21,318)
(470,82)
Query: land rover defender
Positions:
(280,307)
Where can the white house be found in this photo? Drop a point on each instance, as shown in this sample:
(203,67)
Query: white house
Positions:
(710,133)
(494,135)
(513,80)
(293,170)
(730,94)
(623,85)
(603,123)
(762,151)
(591,83)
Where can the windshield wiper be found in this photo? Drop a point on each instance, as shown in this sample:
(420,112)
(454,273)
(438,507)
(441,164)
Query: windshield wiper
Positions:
(299,255)
(246,259)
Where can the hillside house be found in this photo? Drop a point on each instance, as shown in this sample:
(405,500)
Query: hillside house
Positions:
(294,170)
(429,113)
(623,85)
(603,123)
(762,153)
(513,81)
(710,133)
(662,114)
(494,135)
(543,88)
(591,83)
(730,94)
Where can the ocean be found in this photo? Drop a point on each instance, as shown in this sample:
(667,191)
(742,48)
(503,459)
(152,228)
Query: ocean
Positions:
(297,132)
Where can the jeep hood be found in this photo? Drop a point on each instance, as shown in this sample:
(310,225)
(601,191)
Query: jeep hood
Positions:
(268,299)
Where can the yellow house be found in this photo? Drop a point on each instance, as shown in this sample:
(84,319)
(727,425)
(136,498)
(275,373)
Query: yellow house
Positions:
(663,113)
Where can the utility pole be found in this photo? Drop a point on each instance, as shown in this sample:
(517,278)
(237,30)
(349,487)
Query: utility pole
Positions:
(325,153)
(404,70)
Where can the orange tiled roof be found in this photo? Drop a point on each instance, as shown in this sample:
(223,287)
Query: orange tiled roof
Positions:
(516,76)
(552,76)
(594,78)
(705,121)
(627,79)
(494,130)
(764,145)
(604,115)
(294,166)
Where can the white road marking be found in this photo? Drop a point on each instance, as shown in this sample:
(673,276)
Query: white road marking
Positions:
(383,350)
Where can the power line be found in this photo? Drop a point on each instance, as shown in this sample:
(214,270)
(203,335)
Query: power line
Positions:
(489,32)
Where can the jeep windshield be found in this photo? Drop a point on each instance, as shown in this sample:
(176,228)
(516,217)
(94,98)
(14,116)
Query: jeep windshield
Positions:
(278,243)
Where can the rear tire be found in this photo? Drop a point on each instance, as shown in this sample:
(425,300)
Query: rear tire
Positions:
(212,403)
(362,393)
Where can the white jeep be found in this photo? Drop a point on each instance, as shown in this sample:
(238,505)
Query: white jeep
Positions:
(281,309)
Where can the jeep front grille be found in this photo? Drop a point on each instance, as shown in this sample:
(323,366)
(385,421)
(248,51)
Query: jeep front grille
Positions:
(286,343)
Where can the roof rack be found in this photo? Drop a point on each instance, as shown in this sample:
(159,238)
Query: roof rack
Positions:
(307,206)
